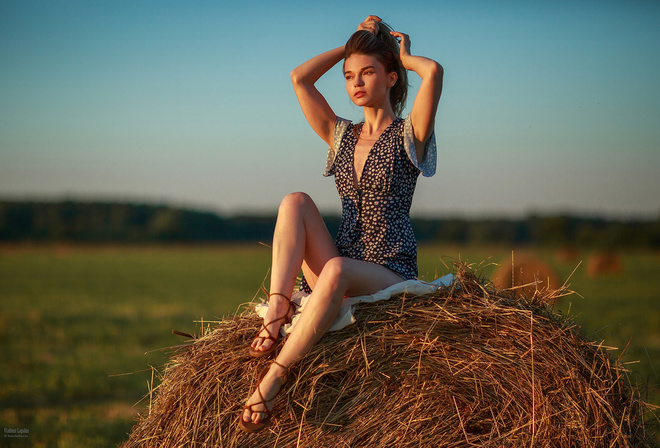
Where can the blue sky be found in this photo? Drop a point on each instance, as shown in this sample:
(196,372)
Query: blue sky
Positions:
(548,107)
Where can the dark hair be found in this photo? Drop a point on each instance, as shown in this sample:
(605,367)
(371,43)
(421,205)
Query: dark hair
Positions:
(385,48)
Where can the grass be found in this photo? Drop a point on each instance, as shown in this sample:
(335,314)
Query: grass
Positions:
(71,318)
(75,323)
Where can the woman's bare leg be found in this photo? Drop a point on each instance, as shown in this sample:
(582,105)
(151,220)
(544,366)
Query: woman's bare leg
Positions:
(298,221)
(340,277)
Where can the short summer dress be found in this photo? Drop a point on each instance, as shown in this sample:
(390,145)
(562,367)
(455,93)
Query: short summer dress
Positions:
(375,218)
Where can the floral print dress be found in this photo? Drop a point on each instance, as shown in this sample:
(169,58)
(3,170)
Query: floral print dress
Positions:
(375,224)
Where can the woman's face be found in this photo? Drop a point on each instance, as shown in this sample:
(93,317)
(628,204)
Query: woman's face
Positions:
(367,82)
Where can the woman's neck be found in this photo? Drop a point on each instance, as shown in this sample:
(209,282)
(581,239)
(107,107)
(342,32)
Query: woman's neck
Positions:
(376,121)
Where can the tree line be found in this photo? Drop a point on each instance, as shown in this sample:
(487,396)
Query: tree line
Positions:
(113,222)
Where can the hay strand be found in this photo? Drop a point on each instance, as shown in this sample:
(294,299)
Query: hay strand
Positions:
(469,365)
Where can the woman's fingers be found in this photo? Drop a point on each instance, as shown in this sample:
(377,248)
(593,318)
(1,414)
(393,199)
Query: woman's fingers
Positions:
(402,36)
(370,24)
(404,41)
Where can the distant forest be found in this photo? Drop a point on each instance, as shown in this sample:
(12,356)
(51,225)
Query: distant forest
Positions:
(110,222)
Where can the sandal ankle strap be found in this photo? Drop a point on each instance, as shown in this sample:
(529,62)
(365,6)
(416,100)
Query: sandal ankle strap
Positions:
(292,305)
(285,368)
(288,299)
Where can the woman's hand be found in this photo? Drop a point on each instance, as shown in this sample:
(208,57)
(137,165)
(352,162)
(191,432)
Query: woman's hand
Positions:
(404,47)
(370,24)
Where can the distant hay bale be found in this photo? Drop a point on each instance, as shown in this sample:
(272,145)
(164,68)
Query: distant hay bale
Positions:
(466,365)
(567,254)
(527,274)
(605,263)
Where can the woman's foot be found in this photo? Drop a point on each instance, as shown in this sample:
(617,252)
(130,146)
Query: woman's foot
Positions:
(257,411)
(280,311)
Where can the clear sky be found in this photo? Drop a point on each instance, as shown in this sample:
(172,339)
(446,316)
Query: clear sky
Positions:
(548,106)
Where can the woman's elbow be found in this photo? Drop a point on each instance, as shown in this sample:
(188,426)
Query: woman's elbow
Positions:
(297,76)
(294,76)
(437,71)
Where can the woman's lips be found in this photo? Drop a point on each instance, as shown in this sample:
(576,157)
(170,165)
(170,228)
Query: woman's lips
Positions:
(359,94)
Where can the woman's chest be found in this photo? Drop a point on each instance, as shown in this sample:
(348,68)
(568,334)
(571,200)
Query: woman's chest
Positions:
(376,166)
(360,156)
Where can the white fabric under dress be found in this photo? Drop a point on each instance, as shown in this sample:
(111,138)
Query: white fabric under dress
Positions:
(412,288)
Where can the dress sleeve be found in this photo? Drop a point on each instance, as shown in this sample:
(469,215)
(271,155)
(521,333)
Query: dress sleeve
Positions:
(427,165)
(340,129)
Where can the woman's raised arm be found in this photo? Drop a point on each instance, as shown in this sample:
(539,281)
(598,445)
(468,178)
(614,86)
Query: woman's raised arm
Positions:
(316,109)
(428,95)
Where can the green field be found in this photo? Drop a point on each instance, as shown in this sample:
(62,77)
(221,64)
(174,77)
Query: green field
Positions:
(76,322)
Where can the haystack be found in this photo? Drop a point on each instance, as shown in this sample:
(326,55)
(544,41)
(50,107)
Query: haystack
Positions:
(526,273)
(567,254)
(604,263)
(468,365)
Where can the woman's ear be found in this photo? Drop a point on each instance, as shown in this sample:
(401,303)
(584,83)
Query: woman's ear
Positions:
(393,77)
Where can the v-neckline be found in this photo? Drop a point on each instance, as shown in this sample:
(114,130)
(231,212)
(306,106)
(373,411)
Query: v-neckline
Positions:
(355,178)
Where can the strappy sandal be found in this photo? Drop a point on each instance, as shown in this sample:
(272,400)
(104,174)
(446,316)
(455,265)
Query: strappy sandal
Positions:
(264,326)
(254,427)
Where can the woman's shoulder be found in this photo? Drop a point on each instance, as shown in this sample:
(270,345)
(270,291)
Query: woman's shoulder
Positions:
(428,163)
(341,126)
(343,122)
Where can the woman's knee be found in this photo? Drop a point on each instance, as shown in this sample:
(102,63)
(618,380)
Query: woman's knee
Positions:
(335,272)
(295,201)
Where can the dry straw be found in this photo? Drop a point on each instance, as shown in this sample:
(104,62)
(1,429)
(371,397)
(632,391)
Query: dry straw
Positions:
(469,365)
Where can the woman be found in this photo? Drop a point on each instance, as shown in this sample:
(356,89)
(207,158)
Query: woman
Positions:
(375,164)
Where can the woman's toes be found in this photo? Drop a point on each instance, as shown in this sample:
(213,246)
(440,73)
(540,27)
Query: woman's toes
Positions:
(261,345)
(258,342)
(252,416)
(256,417)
